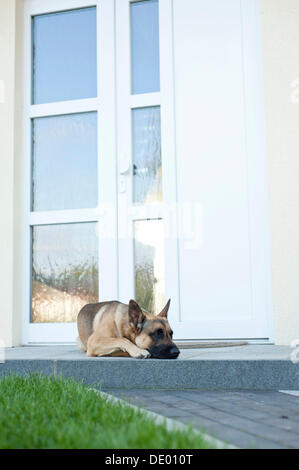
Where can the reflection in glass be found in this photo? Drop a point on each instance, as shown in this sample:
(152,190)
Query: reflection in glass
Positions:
(147,164)
(149,264)
(145,46)
(64,169)
(64,270)
(64,56)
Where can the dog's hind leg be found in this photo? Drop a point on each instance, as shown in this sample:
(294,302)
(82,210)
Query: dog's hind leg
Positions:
(99,346)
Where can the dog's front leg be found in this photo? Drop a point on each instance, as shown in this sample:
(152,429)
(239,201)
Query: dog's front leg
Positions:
(99,346)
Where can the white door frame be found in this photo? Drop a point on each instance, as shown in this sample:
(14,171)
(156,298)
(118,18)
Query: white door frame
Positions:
(115,102)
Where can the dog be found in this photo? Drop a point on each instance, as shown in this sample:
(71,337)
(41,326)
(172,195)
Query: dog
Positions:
(116,329)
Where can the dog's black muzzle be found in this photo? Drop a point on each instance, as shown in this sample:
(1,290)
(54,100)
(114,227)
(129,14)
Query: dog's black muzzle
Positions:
(164,352)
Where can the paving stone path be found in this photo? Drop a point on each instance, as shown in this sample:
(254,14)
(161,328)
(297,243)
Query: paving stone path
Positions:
(262,420)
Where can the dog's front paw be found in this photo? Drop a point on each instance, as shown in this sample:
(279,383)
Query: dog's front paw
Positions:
(140,354)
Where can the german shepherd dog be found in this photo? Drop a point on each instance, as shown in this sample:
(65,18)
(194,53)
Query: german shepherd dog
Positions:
(116,329)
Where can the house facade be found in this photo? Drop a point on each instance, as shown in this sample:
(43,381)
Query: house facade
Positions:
(149,150)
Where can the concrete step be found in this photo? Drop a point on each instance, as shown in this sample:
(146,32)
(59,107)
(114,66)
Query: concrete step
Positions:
(250,367)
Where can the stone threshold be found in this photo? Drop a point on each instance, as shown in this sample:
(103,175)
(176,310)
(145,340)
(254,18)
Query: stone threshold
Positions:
(248,367)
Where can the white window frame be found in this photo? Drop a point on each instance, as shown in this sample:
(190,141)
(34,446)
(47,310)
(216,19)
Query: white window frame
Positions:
(107,249)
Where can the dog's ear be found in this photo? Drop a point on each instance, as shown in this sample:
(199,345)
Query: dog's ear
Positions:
(164,312)
(136,316)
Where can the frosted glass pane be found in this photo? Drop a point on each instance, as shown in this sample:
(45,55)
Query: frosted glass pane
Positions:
(149,264)
(147,164)
(145,46)
(64,270)
(64,170)
(64,56)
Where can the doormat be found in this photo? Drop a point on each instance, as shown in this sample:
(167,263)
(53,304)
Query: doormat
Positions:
(199,345)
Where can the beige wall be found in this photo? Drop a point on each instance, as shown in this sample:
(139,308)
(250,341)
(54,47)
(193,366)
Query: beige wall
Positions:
(10,170)
(18,173)
(7,84)
(280,29)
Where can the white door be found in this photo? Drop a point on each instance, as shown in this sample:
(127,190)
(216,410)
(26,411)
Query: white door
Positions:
(191,165)
(144,154)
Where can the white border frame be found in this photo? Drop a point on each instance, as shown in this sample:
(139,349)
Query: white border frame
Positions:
(105,213)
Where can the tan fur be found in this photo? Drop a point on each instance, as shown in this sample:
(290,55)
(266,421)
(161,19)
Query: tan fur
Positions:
(106,329)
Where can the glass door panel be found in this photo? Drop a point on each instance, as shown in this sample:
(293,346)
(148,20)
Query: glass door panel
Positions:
(64,55)
(147,162)
(64,270)
(149,264)
(64,167)
(145,66)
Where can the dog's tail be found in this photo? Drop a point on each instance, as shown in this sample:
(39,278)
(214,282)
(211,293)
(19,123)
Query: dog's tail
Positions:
(80,344)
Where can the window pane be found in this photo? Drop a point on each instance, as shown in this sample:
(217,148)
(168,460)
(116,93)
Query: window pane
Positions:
(147,164)
(64,270)
(64,56)
(64,169)
(149,264)
(145,46)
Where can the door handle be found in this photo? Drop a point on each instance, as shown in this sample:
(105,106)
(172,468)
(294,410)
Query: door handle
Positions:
(140,171)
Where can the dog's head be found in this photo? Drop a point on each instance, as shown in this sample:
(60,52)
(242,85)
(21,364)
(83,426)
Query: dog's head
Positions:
(153,332)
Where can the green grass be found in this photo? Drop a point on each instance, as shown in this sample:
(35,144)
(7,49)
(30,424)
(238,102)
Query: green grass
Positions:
(39,412)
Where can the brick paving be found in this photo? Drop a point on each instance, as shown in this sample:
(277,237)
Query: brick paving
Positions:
(245,419)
